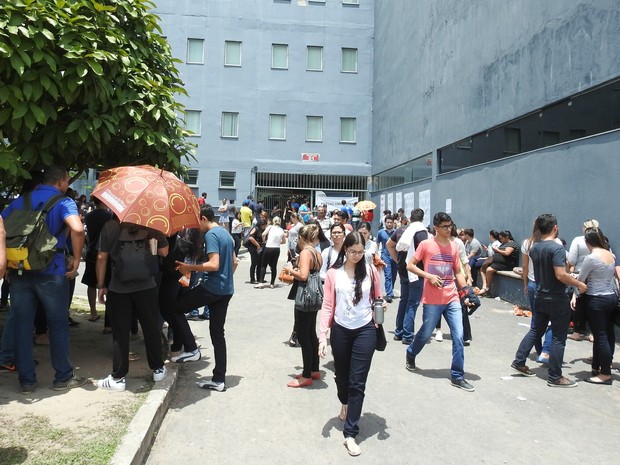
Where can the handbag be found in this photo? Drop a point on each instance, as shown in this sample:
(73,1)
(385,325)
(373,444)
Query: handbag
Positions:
(309,296)
(285,276)
(381,339)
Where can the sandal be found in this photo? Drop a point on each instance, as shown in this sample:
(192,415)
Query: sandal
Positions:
(352,448)
(93,319)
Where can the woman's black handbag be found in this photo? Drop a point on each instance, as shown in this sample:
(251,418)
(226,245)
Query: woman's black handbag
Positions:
(381,339)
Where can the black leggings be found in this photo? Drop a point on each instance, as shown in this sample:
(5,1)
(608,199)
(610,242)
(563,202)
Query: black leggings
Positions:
(305,326)
(254,263)
(270,257)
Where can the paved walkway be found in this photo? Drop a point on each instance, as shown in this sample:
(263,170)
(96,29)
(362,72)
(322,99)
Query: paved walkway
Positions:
(408,417)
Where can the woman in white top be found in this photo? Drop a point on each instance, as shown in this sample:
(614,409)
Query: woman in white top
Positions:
(273,236)
(237,231)
(223,212)
(330,254)
(350,288)
(598,271)
(529,289)
(293,233)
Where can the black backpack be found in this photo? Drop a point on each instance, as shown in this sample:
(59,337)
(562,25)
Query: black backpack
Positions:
(29,243)
(134,261)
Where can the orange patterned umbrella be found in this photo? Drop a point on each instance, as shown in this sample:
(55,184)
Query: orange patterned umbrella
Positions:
(150,197)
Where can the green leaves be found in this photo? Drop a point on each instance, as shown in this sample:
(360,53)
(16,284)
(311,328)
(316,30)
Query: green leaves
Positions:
(86,84)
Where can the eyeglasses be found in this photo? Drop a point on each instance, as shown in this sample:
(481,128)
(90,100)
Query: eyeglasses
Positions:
(444,226)
(355,252)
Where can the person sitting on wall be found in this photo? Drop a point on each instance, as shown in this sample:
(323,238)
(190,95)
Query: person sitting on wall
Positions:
(505,258)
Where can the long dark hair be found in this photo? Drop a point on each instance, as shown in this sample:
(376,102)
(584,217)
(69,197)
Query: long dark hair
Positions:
(594,237)
(360,269)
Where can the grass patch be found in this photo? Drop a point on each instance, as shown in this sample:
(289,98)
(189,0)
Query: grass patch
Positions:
(33,440)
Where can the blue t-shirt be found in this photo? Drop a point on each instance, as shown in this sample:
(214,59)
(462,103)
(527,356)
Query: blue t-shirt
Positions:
(382,237)
(220,282)
(303,211)
(55,221)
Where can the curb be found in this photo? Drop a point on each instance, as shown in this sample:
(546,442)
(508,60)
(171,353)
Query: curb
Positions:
(136,443)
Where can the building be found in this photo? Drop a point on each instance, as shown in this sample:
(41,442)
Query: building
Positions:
(495,113)
(498,113)
(280,95)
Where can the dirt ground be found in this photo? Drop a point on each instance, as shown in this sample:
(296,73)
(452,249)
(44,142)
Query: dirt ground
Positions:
(30,423)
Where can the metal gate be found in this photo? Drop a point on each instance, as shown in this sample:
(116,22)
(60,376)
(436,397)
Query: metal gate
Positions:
(280,187)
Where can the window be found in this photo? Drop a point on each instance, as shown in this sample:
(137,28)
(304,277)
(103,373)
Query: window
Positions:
(230,124)
(195,51)
(315,58)
(350,2)
(232,53)
(191,178)
(512,140)
(314,128)
(277,127)
(349,60)
(192,122)
(227,179)
(279,56)
(347,130)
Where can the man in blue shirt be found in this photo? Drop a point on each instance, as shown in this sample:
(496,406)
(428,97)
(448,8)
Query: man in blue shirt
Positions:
(50,287)
(216,288)
(391,267)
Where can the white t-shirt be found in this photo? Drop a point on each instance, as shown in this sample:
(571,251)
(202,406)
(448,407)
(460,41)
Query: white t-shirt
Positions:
(274,236)
(347,314)
(329,256)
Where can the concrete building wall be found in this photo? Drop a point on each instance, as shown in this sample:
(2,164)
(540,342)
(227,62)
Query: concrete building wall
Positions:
(447,70)
(254,90)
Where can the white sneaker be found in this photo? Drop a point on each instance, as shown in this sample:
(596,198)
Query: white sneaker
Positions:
(439,336)
(212,385)
(110,384)
(187,357)
(160,373)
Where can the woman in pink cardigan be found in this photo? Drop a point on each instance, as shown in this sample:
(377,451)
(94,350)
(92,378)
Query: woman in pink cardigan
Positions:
(350,288)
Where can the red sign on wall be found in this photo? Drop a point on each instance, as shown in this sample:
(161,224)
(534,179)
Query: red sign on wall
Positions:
(310,157)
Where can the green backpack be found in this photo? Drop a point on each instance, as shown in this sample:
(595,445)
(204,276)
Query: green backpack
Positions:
(29,243)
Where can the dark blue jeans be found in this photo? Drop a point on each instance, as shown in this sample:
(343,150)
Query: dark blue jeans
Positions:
(599,309)
(557,311)
(545,345)
(410,295)
(218,307)
(353,350)
(390,272)
(52,291)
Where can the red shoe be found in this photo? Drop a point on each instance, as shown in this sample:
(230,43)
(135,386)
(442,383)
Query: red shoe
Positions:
(297,384)
(313,375)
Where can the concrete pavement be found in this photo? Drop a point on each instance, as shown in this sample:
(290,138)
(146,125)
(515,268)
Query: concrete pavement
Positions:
(407,417)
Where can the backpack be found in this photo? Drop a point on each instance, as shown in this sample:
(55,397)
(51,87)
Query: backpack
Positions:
(134,260)
(29,243)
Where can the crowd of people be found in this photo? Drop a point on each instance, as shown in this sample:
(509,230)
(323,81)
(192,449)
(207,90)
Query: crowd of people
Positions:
(142,276)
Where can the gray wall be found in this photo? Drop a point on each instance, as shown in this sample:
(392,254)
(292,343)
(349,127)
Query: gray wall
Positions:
(469,66)
(255,90)
(445,70)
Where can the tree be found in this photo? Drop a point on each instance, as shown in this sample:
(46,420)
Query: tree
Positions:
(86,84)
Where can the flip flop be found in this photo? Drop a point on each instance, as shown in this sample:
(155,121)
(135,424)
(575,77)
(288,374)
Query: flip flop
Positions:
(94,319)
(599,382)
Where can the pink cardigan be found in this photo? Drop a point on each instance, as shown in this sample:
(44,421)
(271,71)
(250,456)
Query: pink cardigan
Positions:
(329,294)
